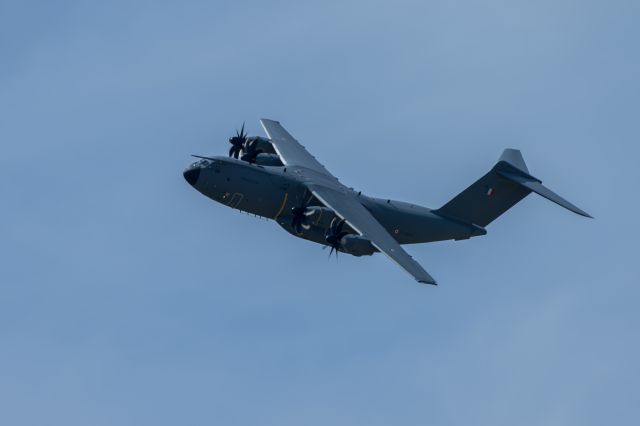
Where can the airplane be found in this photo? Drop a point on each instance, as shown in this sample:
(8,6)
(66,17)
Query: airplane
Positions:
(277,178)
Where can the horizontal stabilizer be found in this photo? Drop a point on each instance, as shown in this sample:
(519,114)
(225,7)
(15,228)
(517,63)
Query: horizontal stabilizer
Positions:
(508,182)
(537,187)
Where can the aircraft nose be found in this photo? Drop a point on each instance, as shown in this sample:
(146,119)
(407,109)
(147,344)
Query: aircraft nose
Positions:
(191,175)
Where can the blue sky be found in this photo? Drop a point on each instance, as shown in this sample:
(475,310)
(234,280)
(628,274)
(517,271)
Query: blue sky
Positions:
(127,298)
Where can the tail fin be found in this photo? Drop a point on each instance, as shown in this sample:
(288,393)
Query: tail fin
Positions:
(506,184)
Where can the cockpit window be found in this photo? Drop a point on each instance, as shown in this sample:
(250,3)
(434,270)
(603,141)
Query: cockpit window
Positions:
(201,163)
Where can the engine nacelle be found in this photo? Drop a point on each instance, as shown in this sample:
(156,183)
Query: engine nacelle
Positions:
(262,144)
(319,216)
(357,245)
(268,160)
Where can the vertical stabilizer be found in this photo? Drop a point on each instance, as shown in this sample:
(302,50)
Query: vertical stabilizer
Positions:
(505,185)
(514,157)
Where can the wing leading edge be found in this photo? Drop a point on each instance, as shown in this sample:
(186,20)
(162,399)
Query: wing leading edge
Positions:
(291,152)
(359,218)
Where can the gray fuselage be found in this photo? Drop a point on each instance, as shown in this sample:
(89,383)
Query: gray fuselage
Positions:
(272,192)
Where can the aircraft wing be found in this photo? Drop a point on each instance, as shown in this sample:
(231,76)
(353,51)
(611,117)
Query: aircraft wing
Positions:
(290,151)
(347,206)
(344,203)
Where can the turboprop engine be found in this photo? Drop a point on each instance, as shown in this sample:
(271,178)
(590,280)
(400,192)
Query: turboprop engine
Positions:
(357,245)
(305,217)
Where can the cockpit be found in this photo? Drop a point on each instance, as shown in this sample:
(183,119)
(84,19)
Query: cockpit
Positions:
(192,173)
(201,164)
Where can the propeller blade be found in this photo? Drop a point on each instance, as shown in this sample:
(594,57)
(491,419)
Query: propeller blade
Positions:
(334,235)
(332,227)
(237,142)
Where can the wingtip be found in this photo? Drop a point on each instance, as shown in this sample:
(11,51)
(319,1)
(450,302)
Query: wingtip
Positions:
(585,214)
(432,282)
(581,213)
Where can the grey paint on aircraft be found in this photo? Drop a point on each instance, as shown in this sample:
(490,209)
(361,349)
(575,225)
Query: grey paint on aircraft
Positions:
(275,191)
(272,192)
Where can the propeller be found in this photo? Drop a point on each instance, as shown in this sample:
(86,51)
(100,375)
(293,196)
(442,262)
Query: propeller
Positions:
(237,142)
(334,235)
(249,150)
(300,217)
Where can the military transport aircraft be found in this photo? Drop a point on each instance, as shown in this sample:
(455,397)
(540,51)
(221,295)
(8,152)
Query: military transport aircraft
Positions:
(277,178)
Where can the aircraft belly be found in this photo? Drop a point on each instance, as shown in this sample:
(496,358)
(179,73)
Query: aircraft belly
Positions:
(434,228)
(410,224)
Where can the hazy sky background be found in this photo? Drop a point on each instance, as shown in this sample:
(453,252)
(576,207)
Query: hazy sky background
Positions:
(127,298)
